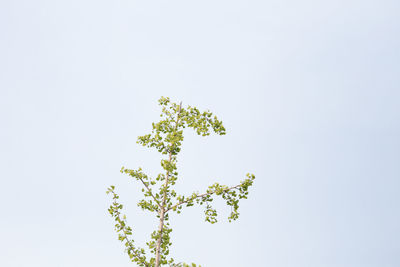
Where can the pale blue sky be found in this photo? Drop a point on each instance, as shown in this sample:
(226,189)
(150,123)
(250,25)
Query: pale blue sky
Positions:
(309,92)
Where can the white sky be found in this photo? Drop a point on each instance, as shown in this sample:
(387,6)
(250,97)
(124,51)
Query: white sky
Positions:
(308,91)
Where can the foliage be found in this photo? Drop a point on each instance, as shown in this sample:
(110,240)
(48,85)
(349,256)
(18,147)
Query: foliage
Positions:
(160,197)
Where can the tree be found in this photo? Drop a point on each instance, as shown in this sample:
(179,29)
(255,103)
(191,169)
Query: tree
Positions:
(166,137)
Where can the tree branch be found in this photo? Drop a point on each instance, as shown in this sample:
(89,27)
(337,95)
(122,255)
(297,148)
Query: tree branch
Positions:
(136,253)
(122,227)
(149,190)
(199,196)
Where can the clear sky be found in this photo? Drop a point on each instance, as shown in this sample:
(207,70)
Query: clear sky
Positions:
(309,92)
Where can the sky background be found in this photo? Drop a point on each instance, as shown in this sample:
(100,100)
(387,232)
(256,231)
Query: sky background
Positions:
(309,92)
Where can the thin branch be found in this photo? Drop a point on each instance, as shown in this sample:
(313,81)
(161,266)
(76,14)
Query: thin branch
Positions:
(136,253)
(202,195)
(149,190)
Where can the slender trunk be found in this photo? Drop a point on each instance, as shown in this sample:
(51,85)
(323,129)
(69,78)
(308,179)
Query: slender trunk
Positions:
(162,214)
(163,208)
